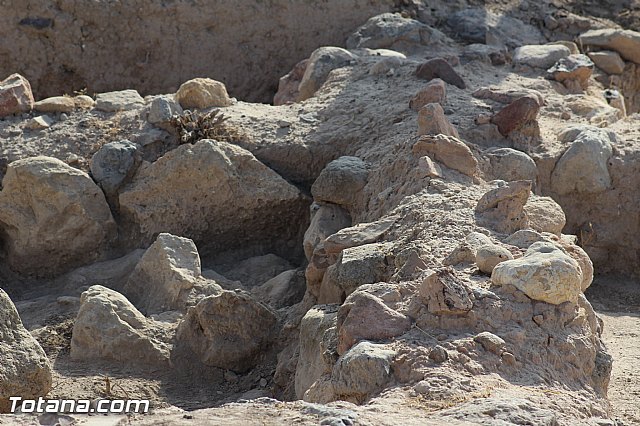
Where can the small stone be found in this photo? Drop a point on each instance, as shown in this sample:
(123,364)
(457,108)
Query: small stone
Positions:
(162,109)
(517,114)
(39,123)
(440,68)
(573,67)
(288,85)
(230,376)
(482,119)
(444,292)
(202,93)
(55,104)
(63,117)
(263,382)
(428,168)
(386,65)
(114,163)
(448,150)
(432,121)
(84,102)
(488,256)
(435,92)
(508,358)
(490,342)
(340,181)
(608,61)
(321,62)
(538,319)
(438,354)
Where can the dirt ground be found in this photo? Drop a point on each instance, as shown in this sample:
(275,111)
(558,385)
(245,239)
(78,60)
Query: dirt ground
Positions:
(617,301)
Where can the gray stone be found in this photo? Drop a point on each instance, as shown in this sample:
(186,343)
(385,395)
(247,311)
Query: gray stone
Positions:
(326,220)
(162,109)
(392,31)
(124,100)
(114,164)
(490,342)
(540,56)
(509,164)
(321,62)
(340,181)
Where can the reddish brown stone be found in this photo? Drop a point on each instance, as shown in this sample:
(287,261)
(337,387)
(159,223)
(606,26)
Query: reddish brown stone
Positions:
(515,115)
(435,92)
(15,95)
(288,85)
(432,121)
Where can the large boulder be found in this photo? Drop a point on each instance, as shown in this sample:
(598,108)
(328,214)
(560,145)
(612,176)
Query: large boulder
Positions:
(227,331)
(545,272)
(392,31)
(168,277)
(54,217)
(25,370)
(217,194)
(625,42)
(583,166)
(540,55)
(15,95)
(340,181)
(109,327)
(123,100)
(321,62)
(203,93)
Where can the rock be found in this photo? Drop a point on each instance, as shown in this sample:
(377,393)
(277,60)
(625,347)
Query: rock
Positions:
(573,48)
(448,150)
(616,100)
(523,238)
(362,371)
(364,316)
(312,362)
(321,62)
(39,123)
(573,67)
(545,215)
(625,42)
(428,168)
(392,31)
(506,411)
(167,276)
(288,85)
(109,327)
(326,220)
(540,56)
(285,289)
(123,100)
(84,102)
(435,92)
(355,266)
(583,166)
(438,354)
(544,273)
(479,25)
(502,208)
(162,109)
(55,104)
(517,114)
(15,95)
(444,292)
(361,234)
(114,164)
(221,196)
(54,217)
(608,61)
(466,252)
(580,256)
(481,52)
(257,270)
(25,370)
(507,96)
(490,342)
(386,65)
(202,93)
(213,331)
(340,181)
(509,164)
(440,68)
(432,121)
(488,256)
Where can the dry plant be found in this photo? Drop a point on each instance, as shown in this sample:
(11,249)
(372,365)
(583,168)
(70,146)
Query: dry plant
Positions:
(193,126)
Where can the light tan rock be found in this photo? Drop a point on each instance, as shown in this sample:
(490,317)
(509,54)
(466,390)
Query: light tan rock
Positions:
(448,150)
(39,123)
(321,62)
(84,102)
(326,219)
(432,121)
(502,208)
(220,196)
(358,235)
(488,256)
(109,327)
(285,289)
(340,181)
(55,104)
(435,92)
(444,292)
(15,95)
(545,215)
(625,42)
(168,277)
(54,217)
(544,273)
(122,100)
(25,370)
(203,93)
(540,56)
(467,250)
(608,61)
